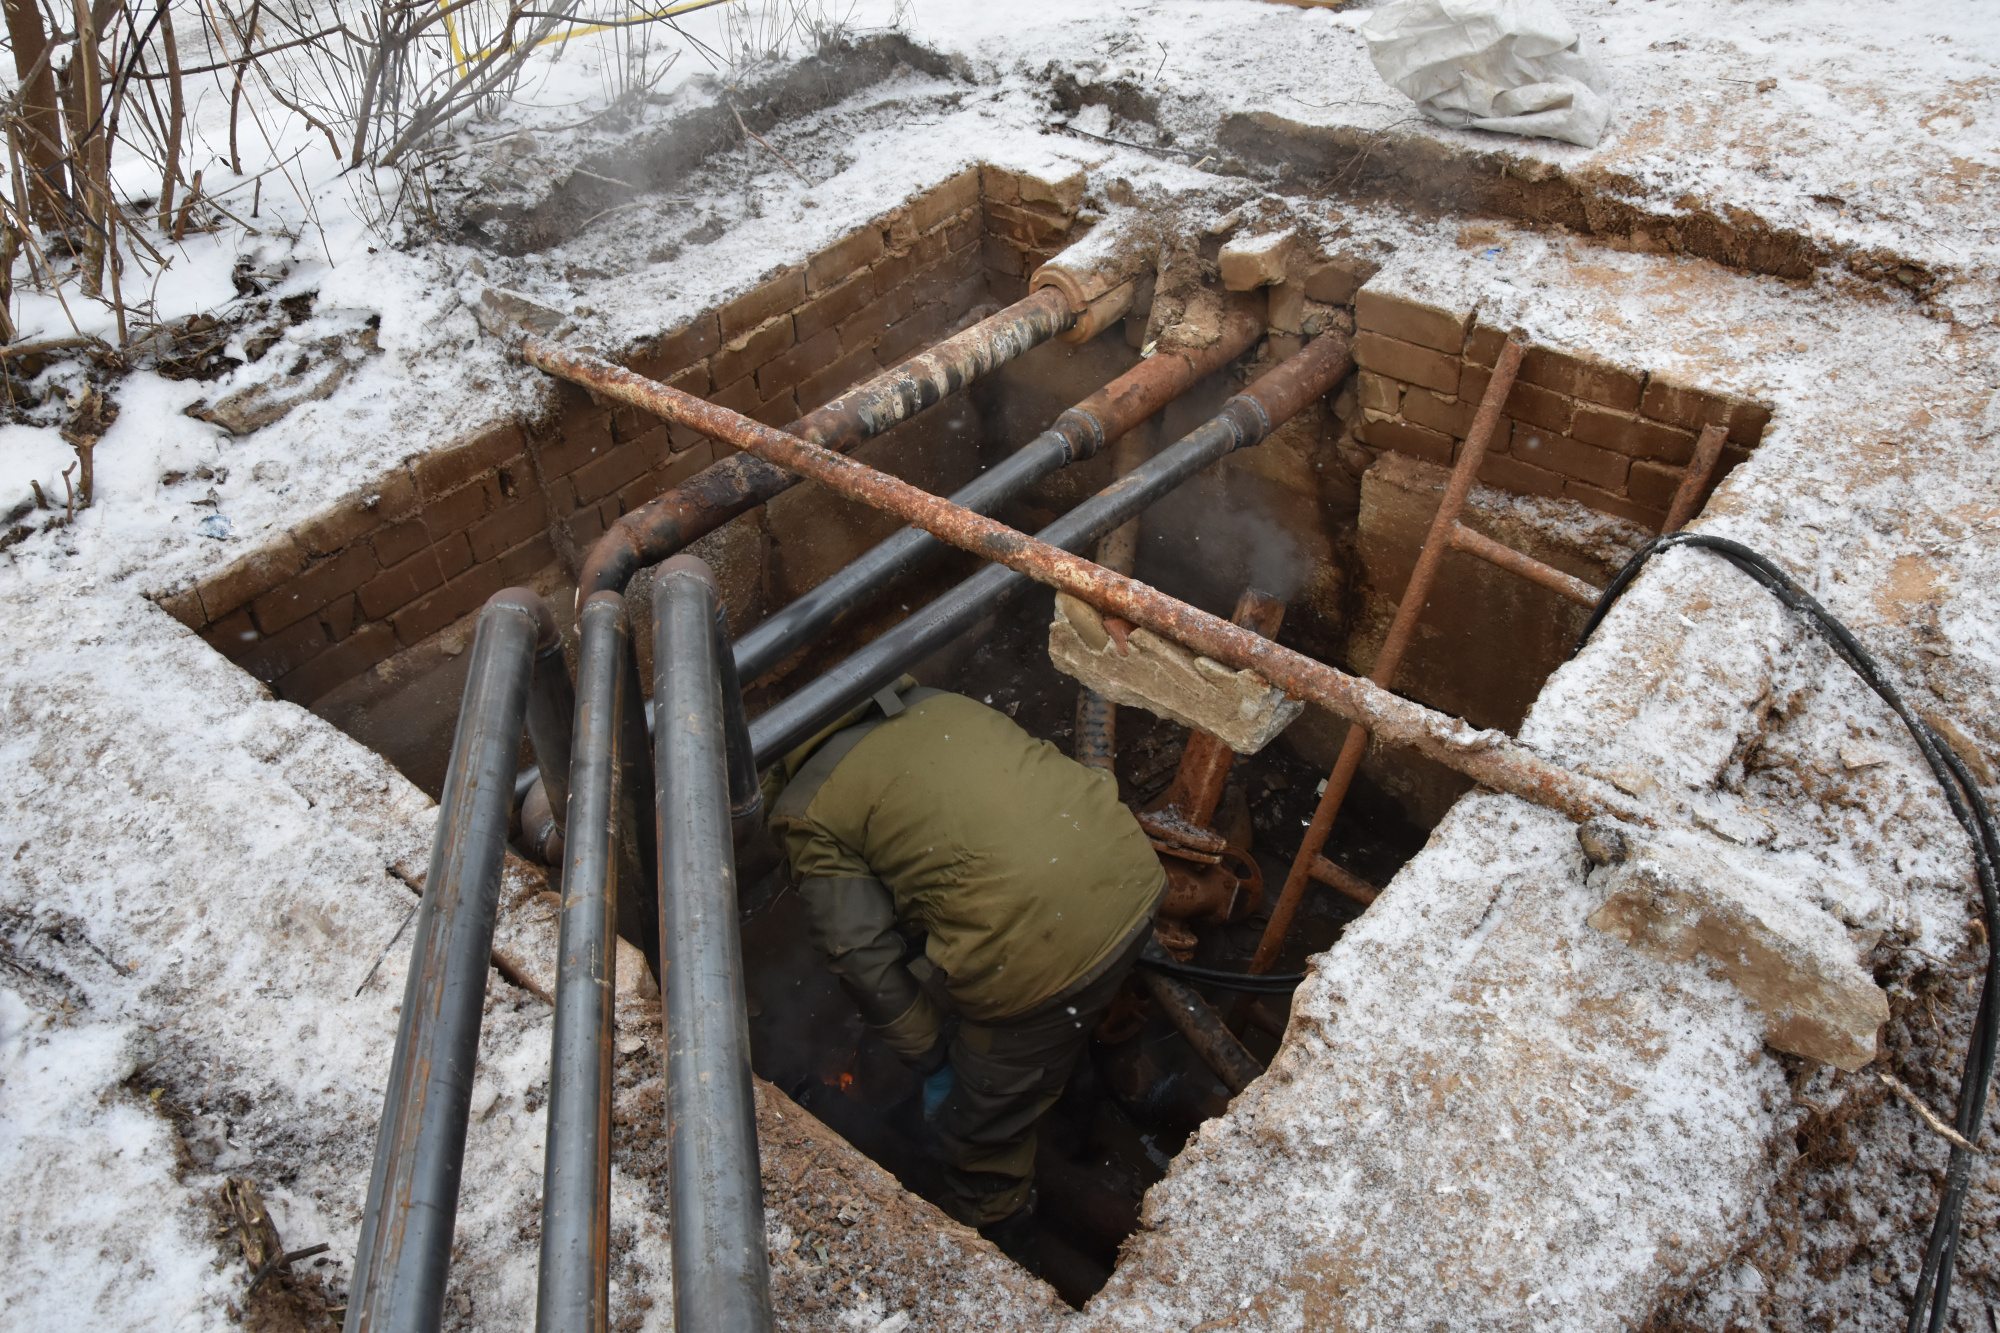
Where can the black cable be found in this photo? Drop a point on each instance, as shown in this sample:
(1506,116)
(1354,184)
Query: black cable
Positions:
(1261,984)
(1968,806)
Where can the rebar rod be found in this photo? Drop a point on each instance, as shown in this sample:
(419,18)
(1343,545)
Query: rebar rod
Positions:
(1243,422)
(572,1291)
(404,1252)
(721,1280)
(741,482)
(1401,629)
(1502,556)
(1078,434)
(1488,757)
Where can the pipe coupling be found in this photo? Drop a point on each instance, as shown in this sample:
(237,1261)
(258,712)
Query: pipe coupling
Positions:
(1082,433)
(1247,417)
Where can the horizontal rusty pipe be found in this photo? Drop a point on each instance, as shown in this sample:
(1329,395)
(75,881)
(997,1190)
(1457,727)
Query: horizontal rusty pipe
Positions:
(1203,1028)
(1488,757)
(1514,562)
(1341,878)
(738,484)
(1078,434)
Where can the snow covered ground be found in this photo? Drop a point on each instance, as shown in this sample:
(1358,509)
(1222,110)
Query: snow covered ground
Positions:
(194,879)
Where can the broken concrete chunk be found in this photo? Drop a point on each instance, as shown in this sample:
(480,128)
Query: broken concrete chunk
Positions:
(502,313)
(1256,261)
(1673,896)
(258,406)
(1240,708)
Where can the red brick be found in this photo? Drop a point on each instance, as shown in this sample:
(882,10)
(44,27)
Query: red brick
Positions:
(282,653)
(454,555)
(184,606)
(1691,409)
(1654,485)
(741,396)
(1511,474)
(586,525)
(671,352)
(564,456)
(608,472)
(1453,416)
(745,354)
(831,265)
(398,587)
(462,508)
(1407,362)
(400,541)
(866,327)
(1632,435)
(952,270)
(454,601)
(829,308)
(292,601)
(1616,505)
(1338,281)
(693,380)
(1380,394)
(1591,381)
(946,201)
(780,411)
(233,635)
(1004,257)
(506,528)
(336,528)
(340,616)
(999,183)
(1525,402)
(1028,226)
(1416,441)
(1572,458)
(907,337)
(962,233)
(683,466)
(762,303)
(527,559)
(339,664)
(455,464)
(1410,321)
(784,371)
(252,576)
(828,383)
(1482,346)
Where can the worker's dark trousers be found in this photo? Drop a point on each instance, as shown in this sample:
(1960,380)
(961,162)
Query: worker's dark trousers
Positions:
(1006,1076)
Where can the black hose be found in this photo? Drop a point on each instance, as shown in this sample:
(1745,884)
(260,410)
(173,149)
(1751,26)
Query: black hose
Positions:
(1968,806)
(1262,984)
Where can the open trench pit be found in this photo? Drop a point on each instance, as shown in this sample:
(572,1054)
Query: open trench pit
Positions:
(1323,522)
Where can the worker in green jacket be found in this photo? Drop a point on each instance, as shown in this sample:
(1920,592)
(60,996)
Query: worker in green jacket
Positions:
(1030,887)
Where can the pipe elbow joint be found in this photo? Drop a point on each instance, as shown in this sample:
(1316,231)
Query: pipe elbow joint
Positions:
(530,603)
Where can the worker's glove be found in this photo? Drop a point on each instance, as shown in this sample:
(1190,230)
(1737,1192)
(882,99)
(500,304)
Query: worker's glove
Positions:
(936,1088)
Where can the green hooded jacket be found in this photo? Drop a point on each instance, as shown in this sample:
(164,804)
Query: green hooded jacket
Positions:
(1021,868)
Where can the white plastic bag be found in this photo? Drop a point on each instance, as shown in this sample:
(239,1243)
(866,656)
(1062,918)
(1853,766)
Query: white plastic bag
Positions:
(1510,65)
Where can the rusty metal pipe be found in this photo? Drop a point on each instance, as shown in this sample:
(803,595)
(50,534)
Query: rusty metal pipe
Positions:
(1707,453)
(1401,630)
(738,484)
(1338,876)
(1078,434)
(1488,757)
(572,1290)
(400,1263)
(1203,1029)
(721,1278)
(1243,422)
(1514,562)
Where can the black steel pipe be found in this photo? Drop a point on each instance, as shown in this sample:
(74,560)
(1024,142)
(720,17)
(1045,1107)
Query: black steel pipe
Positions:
(573,1288)
(1241,423)
(746,798)
(639,850)
(1203,1029)
(551,710)
(398,1283)
(721,1279)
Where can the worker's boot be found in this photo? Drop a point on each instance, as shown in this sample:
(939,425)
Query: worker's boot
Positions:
(1017,1236)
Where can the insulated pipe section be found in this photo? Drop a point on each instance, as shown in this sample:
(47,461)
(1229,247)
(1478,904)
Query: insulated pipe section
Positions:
(1078,434)
(741,482)
(721,1281)
(572,1291)
(1245,420)
(406,1228)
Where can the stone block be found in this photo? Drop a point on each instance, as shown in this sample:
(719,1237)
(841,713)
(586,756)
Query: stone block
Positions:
(1637,436)
(1250,262)
(947,201)
(1579,377)
(340,616)
(1379,393)
(1063,192)
(1004,257)
(251,576)
(762,303)
(831,266)
(1287,308)
(1028,226)
(1411,321)
(1572,458)
(998,183)
(1338,281)
(1746,917)
(1425,366)
(1240,708)
(743,355)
